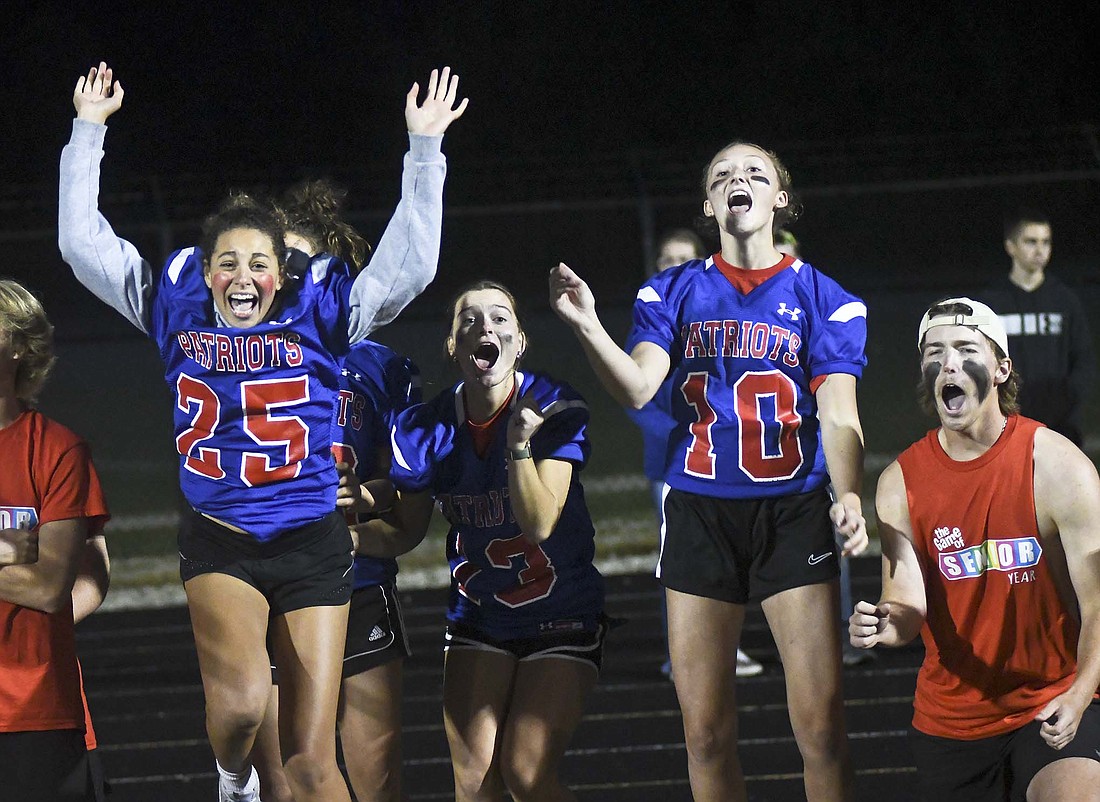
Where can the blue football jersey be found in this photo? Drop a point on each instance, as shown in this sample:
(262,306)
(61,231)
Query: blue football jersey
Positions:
(741,368)
(254,407)
(502,584)
(656,422)
(375,384)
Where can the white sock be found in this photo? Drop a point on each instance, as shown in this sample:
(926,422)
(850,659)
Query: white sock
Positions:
(235,781)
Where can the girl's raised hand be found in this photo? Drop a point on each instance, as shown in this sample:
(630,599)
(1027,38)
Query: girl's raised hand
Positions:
(97,96)
(438,110)
(570,296)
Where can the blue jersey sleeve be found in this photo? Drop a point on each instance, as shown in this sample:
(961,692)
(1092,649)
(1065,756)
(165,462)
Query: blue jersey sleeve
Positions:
(657,307)
(564,432)
(332,282)
(838,339)
(655,313)
(420,440)
(181,287)
(377,384)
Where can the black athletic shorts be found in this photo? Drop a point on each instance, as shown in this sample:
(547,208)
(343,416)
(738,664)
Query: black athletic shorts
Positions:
(742,550)
(305,567)
(585,646)
(996,768)
(48,766)
(376,631)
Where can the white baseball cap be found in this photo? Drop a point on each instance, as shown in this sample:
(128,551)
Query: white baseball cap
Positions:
(976,315)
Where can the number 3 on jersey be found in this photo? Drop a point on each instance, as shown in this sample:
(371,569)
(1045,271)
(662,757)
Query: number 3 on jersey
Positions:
(258,399)
(768,422)
(535,579)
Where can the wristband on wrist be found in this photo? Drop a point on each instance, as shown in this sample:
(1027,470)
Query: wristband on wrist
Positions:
(519,453)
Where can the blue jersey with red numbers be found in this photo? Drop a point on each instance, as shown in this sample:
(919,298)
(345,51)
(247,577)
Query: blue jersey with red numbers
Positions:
(741,372)
(502,584)
(375,384)
(254,407)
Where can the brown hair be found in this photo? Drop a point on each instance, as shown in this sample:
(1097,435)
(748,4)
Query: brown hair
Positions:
(241,210)
(312,209)
(480,284)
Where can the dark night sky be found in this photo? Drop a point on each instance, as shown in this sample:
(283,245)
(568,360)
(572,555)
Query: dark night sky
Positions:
(245,98)
(324,82)
(552,86)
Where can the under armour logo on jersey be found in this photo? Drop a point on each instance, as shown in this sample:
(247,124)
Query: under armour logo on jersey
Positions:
(783,310)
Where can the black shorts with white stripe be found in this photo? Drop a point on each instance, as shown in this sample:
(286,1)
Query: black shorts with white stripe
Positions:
(585,645)
(376,631)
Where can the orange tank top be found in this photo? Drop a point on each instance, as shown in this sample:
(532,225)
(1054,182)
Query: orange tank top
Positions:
(999,642)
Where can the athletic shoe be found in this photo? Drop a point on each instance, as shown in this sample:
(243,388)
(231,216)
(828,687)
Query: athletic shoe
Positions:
(251,792)
(746,666)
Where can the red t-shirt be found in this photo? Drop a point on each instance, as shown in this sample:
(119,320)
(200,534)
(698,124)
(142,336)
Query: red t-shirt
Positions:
(47,475)
(999,642)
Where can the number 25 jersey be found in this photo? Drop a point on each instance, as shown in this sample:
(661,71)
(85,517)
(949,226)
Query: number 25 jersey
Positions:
(742,372)
(253,408)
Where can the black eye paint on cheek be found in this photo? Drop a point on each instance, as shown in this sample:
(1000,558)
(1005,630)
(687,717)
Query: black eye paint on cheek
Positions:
(763,179)
(930,372)
(978,373)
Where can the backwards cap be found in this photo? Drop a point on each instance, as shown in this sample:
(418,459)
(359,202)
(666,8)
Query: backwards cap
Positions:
(979,316)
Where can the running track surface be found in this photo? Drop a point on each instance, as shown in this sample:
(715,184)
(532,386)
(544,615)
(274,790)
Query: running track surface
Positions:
(143,686)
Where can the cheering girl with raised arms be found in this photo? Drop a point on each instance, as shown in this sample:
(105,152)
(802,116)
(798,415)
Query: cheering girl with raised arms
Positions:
(250,356)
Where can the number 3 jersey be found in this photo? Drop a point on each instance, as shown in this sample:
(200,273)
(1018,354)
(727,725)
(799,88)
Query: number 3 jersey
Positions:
(501,583)
(743,370)
(253,407)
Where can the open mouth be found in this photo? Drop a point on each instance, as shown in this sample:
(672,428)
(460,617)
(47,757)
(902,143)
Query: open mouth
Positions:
(485,356)
(243,304)
(953,397)
(739,201)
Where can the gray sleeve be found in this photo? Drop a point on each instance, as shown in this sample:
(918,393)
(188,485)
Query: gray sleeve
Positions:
(405,261)
(106,264)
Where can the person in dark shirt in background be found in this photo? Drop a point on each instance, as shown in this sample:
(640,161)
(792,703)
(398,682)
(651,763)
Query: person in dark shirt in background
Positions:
(1048,331)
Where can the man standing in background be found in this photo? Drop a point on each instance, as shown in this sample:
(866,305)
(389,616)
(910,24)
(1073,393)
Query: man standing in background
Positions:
(1048,331)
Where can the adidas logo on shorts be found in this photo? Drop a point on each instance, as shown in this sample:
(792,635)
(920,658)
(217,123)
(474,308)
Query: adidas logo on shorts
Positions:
(376,633)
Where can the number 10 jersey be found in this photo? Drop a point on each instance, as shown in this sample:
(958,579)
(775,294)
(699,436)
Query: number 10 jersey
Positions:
(743,370)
